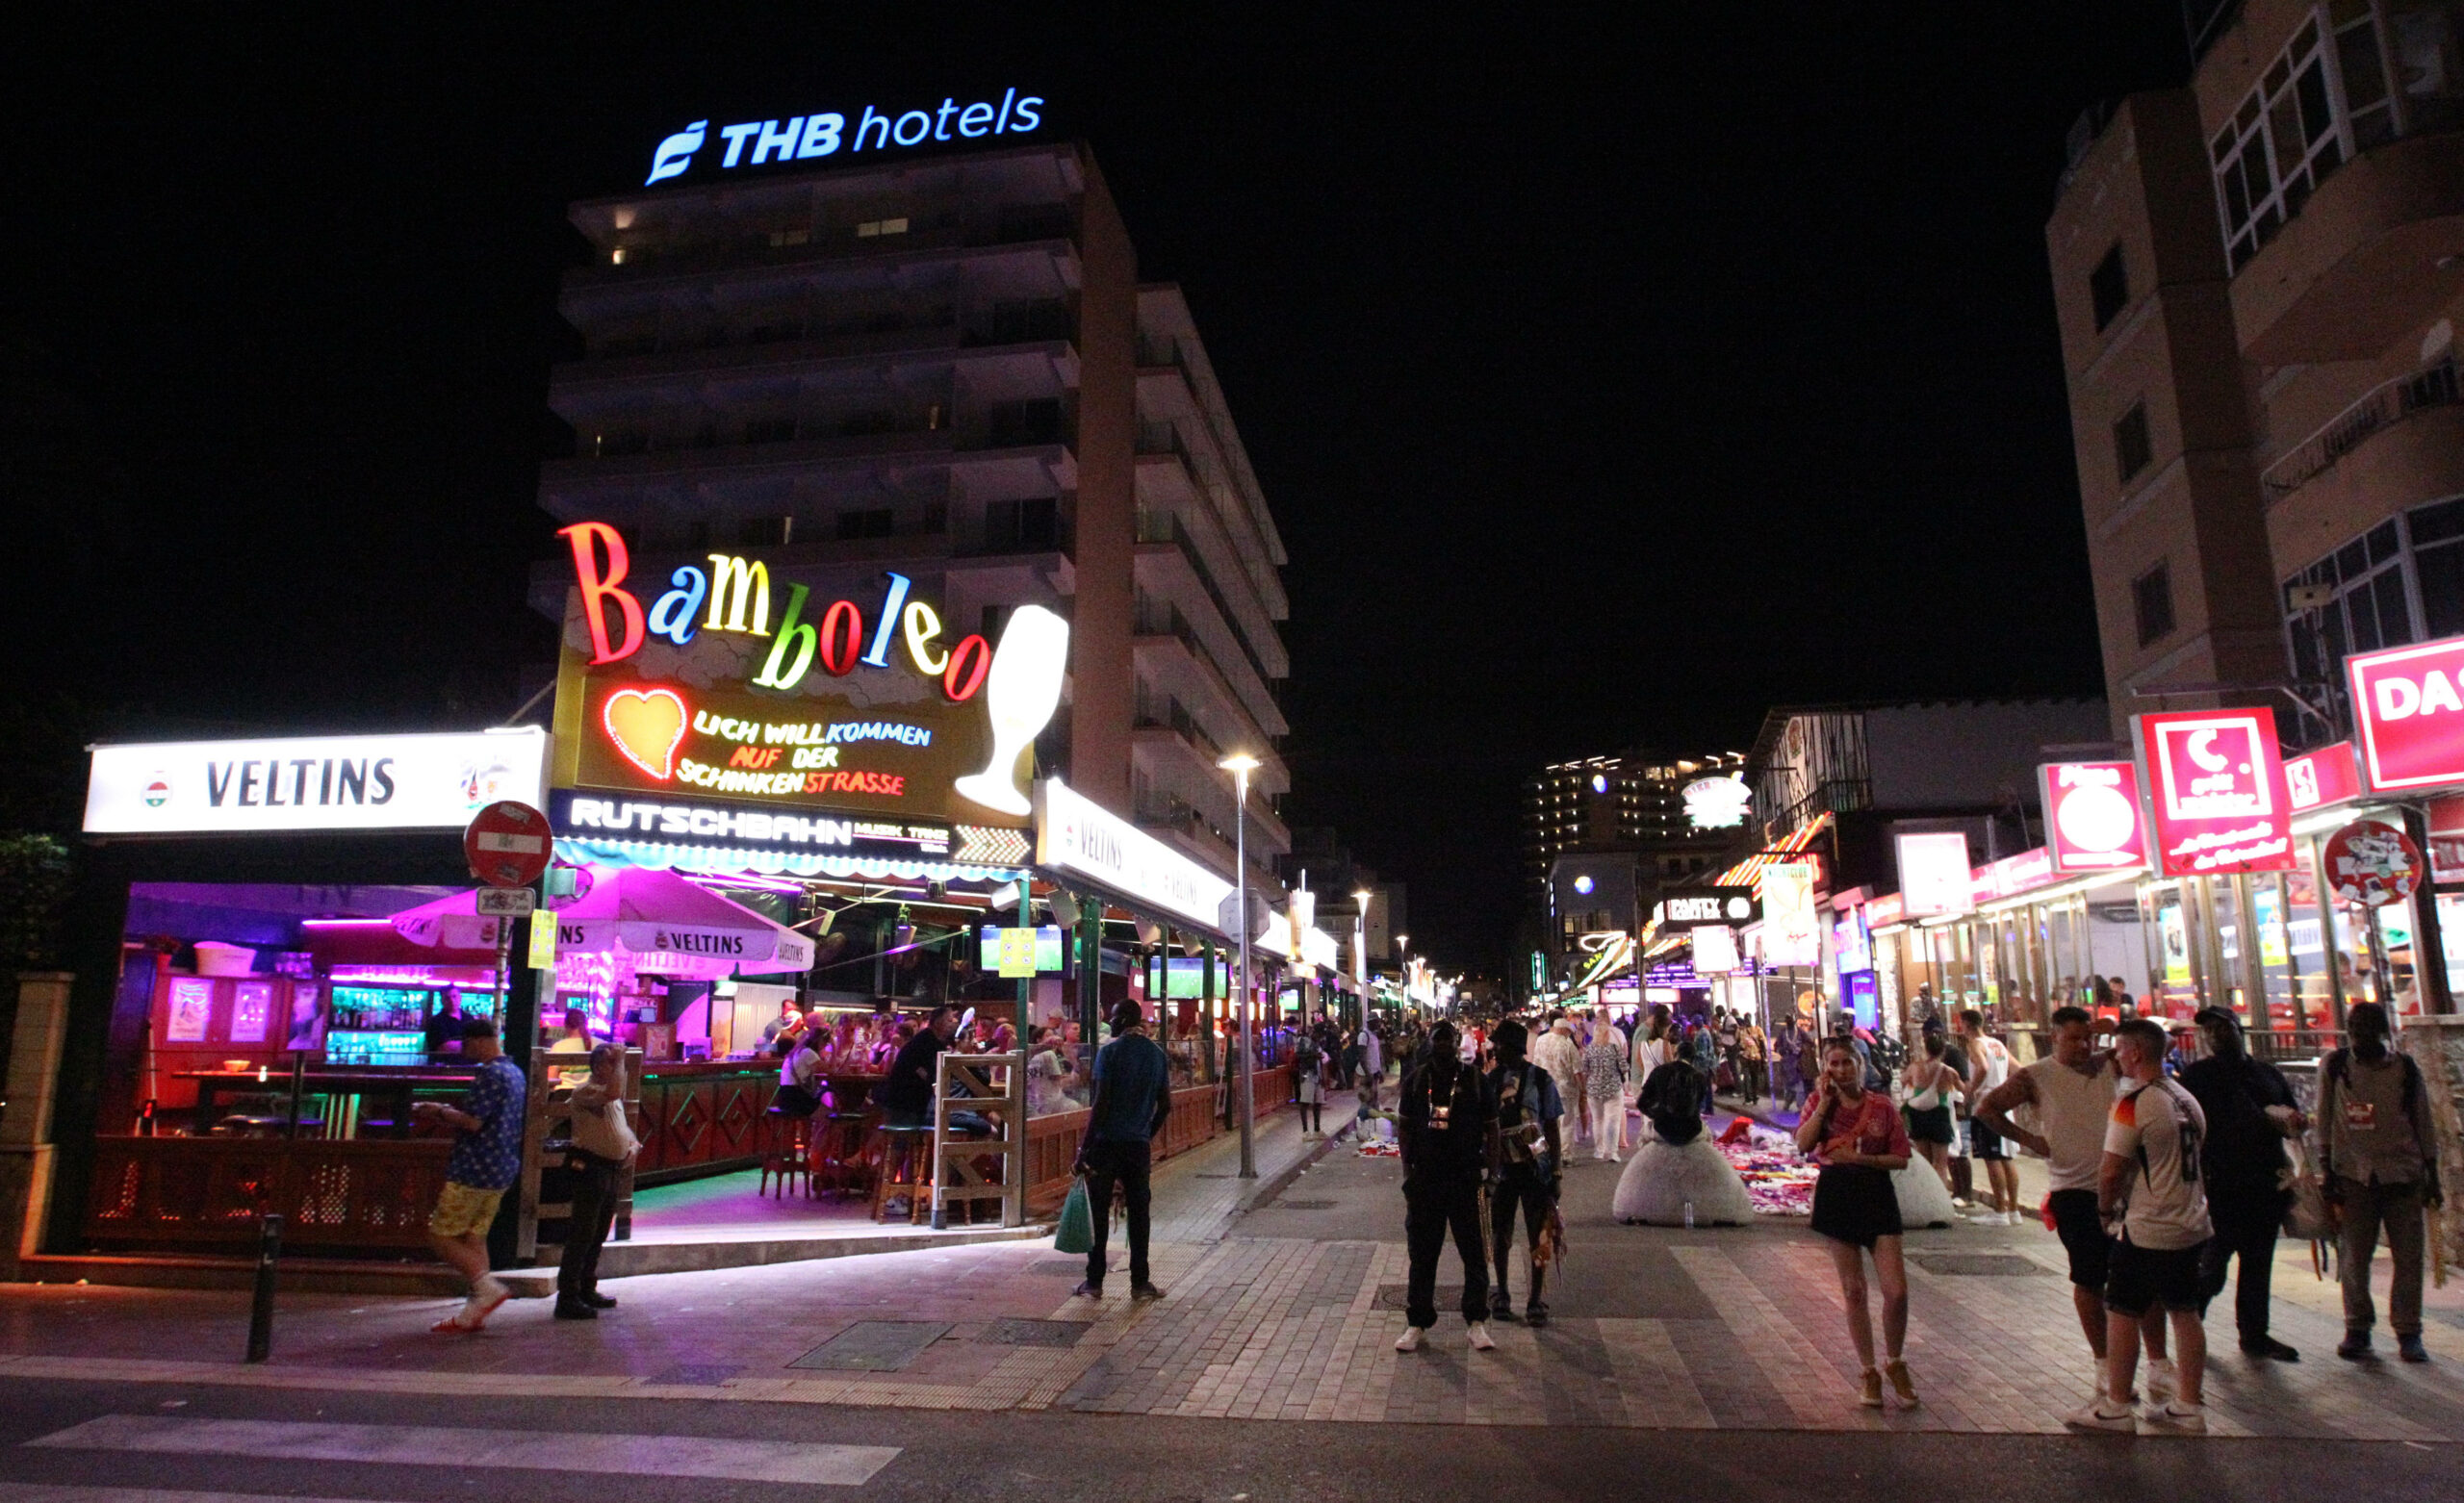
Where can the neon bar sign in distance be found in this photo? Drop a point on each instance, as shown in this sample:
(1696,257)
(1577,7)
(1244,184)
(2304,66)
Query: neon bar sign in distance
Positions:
(801,137)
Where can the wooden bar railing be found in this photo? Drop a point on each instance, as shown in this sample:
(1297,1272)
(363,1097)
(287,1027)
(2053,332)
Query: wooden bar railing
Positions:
(204,1193)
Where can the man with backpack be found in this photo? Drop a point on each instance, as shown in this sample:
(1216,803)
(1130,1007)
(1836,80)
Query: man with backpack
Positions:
(2250,1112)
(1528,1107)
(2378,1152)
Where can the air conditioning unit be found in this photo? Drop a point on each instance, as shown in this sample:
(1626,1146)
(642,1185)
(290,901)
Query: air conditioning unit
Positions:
(2310,597)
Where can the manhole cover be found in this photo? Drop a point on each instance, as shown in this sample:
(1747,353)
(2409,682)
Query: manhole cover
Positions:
(1015,1332)
(1391,1296)
(697,1375)
(2005,1265)
(1299,1205)
(874,1346)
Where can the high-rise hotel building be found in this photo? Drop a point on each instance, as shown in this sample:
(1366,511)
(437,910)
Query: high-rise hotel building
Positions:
(946,365)
(2258,278)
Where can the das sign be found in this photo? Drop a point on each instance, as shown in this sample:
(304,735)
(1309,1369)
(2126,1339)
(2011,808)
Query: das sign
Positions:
(2408,705)
(2216,792)
(2092,816)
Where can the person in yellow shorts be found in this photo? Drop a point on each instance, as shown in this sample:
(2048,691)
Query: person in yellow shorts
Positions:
(486,1160)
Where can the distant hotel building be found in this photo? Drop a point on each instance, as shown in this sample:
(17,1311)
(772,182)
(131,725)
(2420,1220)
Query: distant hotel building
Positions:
(1629,808)
(946,365)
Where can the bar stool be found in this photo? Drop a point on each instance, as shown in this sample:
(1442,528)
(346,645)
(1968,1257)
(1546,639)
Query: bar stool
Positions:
(838,1153)
(784,1136)
(903,1150)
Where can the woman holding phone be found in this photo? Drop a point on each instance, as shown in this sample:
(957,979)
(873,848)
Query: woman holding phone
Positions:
(1857,1135)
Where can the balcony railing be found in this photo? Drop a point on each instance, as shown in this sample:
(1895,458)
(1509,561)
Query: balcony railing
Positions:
(2387,406)
(1161,526)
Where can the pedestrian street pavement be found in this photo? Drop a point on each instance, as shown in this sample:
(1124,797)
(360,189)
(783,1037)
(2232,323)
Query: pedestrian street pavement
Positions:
(1288,1310)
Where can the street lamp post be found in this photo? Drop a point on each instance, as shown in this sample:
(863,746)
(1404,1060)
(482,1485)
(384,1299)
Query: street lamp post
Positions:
(1360,948)
(1241,765)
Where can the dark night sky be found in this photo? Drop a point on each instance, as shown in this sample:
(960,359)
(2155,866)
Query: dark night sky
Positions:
(1612,377)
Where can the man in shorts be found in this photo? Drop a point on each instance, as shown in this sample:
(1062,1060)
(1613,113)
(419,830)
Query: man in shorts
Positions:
(2071,1092)
(486,1160)
(2152,1181)
(1989,1067)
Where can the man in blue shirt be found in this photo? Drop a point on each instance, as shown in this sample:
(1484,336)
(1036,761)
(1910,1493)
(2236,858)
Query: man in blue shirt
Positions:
(1133,1099)
(486,1160)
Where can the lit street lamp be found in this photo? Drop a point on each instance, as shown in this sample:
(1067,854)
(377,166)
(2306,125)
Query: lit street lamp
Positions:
(1360,897)
(1241,765)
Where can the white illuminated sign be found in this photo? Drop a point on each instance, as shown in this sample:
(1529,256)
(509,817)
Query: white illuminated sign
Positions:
(1934,875)
(1715,948)
(1716,802)
(1073,833)
(1792,935)
(802,137)
(311,782)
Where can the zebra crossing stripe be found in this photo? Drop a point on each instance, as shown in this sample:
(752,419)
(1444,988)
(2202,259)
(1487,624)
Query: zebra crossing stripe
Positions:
(816,1464)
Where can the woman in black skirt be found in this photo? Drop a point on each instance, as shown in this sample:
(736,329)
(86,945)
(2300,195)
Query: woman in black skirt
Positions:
(1857,1136)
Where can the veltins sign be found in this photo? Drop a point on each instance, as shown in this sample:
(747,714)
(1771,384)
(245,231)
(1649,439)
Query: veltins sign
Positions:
(2408,707)
(1077,834)
(2215,795)
(311,782)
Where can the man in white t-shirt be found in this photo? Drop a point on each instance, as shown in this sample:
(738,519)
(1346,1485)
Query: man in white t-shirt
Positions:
(2152,1181)
(1988,1065)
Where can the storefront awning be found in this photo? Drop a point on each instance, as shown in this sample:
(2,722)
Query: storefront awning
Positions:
(657,920)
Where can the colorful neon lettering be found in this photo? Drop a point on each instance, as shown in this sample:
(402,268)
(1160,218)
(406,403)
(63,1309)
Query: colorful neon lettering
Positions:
(922,624)
(842,627)
(969,661)
(733,580)
(879,654)
(599,587)
(796,634)
(672,614)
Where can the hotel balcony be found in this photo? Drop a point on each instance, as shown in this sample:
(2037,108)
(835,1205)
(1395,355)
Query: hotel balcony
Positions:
(2375,252)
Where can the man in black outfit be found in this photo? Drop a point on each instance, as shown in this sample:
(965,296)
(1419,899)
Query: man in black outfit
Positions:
(1449,1140)
(1528,1153)
(2242,1157)
(1133,1101)
(907,1096)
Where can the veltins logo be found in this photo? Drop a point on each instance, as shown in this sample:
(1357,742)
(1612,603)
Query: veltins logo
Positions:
(804,136)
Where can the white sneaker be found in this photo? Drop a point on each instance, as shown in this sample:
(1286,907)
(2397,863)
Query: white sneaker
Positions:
(2104,1415)
(2162,1382)
(2174,1418)
(1481,1340)
(2011,1218)
(1411,1339)
(486,1294)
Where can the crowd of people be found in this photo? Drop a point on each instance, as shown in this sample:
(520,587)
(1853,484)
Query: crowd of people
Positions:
(2164,1156)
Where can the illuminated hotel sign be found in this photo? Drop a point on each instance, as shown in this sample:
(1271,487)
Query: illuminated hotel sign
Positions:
(1716,802)
(824,133)
(311,782)
(732,685)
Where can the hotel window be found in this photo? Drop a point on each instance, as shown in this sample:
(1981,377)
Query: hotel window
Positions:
(2132,446)
(2109,287)
(2152,602)
(2280,146)
(876,227)
(2402,581)
(873,521)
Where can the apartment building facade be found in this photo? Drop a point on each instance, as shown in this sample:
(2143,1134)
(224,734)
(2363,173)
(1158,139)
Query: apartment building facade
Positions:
(946,365)
(2257,278)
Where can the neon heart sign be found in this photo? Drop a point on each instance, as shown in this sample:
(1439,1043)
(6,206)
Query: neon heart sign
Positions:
(646,726)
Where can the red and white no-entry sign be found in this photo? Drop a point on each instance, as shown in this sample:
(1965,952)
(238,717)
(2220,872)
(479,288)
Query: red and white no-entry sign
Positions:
(508,844)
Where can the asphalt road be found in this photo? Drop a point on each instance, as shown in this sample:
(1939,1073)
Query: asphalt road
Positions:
(1042,1458)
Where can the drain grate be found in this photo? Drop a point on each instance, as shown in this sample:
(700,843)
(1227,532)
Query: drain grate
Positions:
(1016,1332)
(1216,1177)
(2003,1266)
(697,1375)
(1299,1205)
(874,1346)
(1391,1296)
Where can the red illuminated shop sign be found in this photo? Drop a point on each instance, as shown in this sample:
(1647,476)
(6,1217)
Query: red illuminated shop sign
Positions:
(2320,777)
(2409,708)
(2092,816)
(2216,793)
